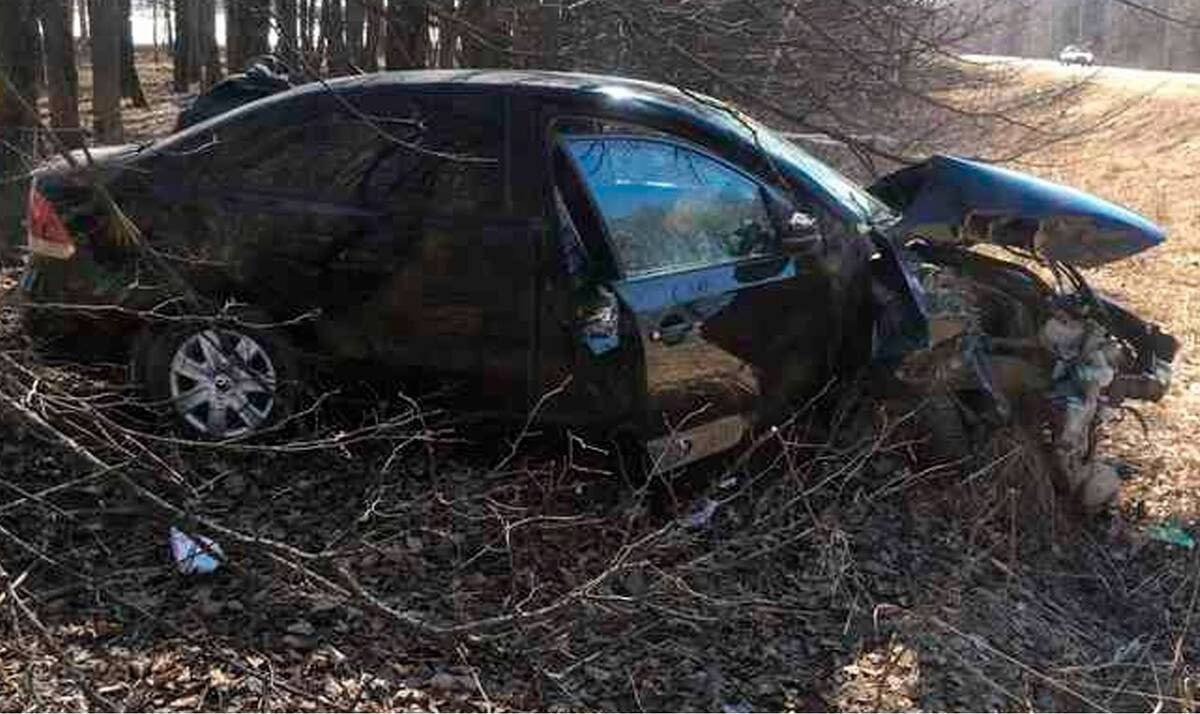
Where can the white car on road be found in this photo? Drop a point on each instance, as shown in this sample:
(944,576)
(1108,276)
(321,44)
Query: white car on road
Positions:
(1072,54)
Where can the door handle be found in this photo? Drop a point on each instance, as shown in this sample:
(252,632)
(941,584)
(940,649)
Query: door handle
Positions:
(672,330)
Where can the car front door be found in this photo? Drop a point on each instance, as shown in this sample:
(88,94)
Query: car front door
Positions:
(728,324)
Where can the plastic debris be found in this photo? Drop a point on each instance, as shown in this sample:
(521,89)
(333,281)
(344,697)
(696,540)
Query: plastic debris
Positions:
(194,555)
(700,514)
(1172,533)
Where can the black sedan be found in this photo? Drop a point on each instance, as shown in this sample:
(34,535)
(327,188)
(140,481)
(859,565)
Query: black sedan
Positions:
(664,265)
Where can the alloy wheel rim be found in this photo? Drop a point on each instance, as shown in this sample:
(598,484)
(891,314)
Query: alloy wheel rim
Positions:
(222,383)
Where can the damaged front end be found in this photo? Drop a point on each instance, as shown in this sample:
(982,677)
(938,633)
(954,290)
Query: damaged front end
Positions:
(1007,343)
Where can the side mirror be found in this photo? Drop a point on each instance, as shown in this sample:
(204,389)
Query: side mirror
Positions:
(802,234)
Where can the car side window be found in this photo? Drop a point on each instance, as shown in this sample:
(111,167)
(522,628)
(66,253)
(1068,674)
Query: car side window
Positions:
(668,207)
(449,163)
(326,158)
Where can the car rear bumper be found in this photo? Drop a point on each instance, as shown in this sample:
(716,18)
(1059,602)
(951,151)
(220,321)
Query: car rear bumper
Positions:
(60,307)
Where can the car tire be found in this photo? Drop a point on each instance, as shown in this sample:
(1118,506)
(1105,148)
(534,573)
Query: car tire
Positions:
(221,380)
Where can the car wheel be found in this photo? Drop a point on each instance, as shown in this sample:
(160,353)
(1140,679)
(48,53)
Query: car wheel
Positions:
(219,381)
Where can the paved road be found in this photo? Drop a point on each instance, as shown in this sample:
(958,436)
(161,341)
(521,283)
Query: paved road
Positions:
(1126,76)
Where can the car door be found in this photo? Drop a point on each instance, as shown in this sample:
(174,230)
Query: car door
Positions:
(459,295)
(278,199)
(727,324)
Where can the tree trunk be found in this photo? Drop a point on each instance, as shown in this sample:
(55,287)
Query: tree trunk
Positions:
(233,32)
(551,36)
(18,45)
(170,31)
(179,48)
(407,34)
(287,45)
(62,78)
(447,38)
(154,29)
(334,34)
(39,67)
(107,31)
(355,18)
(370,54)
(187,44)
(194,48)
(479,42)
(210,54)
(306,28)
(254,25)
(131,84)
(85,37)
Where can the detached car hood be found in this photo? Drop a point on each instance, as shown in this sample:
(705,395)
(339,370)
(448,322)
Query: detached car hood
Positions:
(948,199)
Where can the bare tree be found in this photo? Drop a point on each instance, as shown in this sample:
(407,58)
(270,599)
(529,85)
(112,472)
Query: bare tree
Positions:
(106,70)
(233,33)
(285,17)
(62,77)
(187,44)
(84,35)
(308,21)
(18,54)
(131,84)
(407,34)
(447,34)
(370,54)
(254,24)
(167,18)
(355,23)
(210,54)
(333,36)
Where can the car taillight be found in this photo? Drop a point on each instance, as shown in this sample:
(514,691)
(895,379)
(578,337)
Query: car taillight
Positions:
(47,234)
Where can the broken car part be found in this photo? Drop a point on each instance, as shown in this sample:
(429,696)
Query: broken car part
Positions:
(1000,330)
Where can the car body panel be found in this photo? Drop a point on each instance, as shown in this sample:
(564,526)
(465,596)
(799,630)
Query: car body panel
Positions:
(961,201)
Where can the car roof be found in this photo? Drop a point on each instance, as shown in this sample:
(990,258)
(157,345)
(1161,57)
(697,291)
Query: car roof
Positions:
(506,81)
(642,97)
(570,87)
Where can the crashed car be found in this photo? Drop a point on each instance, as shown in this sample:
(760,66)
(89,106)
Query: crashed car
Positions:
(604,252)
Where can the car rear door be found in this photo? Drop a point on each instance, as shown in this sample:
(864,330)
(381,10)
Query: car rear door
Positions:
(461,261)
(728,325)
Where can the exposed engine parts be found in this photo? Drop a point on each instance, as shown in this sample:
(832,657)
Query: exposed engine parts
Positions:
(1005,345)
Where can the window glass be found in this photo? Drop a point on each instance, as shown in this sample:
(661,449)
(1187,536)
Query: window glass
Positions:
(324,159)
(450,163)
(574,254)
(668,207)
(436,154)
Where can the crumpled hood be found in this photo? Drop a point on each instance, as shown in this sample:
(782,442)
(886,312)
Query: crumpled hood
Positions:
(957,200)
